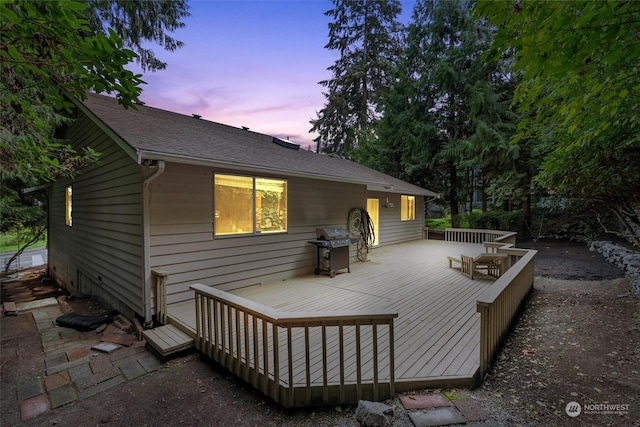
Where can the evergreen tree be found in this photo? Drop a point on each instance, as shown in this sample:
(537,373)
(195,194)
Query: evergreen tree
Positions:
(50,52)
(365,33)
(448,112)
(139,22)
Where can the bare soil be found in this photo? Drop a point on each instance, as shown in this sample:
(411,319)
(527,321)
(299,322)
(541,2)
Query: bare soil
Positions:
(578,340)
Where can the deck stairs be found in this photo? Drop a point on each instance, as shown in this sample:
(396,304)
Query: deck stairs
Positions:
(168,339)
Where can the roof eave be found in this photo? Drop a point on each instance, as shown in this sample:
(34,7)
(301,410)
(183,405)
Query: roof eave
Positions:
(126,147)
(418,191)
(177,158)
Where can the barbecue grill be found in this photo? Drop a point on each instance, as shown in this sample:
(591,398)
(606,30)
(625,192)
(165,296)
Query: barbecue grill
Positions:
(332,250)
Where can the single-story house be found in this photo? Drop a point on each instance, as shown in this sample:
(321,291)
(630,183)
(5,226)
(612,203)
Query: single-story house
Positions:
(206,203)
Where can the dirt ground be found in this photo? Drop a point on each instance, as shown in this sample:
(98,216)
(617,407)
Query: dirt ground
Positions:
(578,340)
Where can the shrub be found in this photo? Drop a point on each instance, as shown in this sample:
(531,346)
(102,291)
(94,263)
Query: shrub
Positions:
(497,220)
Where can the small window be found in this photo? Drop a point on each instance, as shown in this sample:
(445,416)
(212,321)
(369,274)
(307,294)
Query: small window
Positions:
(407,208)
(68,206)
(248,205)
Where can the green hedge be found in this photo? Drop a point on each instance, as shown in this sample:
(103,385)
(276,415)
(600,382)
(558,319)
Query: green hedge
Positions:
(438,223)
(497,220)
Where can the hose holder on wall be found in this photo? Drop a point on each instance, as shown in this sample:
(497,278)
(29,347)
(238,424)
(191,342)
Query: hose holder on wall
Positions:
(361,226)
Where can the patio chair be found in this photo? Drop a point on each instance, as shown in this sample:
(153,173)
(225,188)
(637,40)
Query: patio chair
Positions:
(492,262)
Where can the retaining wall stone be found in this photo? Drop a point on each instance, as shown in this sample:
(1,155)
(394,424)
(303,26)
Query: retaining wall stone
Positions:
(626,259)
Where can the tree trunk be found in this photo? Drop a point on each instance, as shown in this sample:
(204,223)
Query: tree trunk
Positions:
(472,190)
(485,179)
(526,210)
(22,249)
(453,183)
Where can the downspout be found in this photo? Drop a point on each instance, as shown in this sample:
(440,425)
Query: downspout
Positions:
(146,202)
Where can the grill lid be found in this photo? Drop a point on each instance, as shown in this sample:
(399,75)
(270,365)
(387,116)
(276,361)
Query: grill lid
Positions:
(332,233)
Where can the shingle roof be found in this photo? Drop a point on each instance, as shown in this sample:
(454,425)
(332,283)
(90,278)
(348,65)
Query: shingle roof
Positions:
(161,134)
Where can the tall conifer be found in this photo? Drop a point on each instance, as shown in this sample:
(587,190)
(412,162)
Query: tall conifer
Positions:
(365,33)
(448,113)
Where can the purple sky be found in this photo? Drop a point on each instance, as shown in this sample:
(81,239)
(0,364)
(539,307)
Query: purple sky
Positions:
(249,63)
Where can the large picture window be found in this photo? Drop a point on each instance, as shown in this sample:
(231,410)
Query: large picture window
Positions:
(249,205)
(68,206)
(407,208)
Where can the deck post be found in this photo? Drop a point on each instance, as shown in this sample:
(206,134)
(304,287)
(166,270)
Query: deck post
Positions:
(325,387)
(392,368)
(341,334)
(229,351)
(265,358)
(161,278)
(358,362)
(255,376)
(276,362)
(210,324)
(376,388)
(198,321)
(307,361)
(238,358)
(246,371)
(290,366)
(215,314)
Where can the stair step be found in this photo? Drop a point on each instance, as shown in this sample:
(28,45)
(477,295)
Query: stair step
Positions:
(167,339)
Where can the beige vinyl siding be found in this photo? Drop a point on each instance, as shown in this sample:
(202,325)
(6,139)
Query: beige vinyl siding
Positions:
(101,253)
(182,241)
(392,229)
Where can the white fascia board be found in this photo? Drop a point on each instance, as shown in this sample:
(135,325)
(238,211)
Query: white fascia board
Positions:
(176,158)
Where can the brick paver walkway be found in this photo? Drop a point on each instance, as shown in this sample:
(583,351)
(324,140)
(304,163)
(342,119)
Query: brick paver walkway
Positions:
(73,370)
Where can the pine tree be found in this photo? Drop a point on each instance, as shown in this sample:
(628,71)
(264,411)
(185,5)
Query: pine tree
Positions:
(365,33)
(138,23)
(448,113)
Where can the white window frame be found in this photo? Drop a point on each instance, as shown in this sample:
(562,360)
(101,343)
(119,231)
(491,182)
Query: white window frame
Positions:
(407,202)
(255,190)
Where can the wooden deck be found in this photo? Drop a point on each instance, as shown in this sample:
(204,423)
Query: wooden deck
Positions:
(437,332)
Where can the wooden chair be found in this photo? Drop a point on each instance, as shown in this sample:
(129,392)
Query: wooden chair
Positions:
(492,247)
(492,262)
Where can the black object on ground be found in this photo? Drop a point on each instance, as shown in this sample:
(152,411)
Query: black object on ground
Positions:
(85,323)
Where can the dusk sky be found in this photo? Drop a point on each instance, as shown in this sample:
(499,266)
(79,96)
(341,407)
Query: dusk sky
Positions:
(250,63)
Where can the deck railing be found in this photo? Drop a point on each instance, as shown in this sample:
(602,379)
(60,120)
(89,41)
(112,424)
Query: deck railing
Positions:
(470,235)
(289,355)
(500,304)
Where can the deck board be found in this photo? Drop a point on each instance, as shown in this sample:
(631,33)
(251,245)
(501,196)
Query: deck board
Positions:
(437,332)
